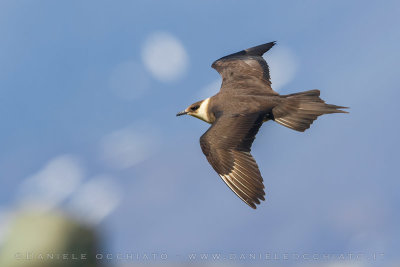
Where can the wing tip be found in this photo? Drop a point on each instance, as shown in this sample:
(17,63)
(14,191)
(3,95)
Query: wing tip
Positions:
(258,50)
(252,203)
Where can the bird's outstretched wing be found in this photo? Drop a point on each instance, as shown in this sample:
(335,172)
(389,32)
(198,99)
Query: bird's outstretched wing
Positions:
(227,146)
(246,71)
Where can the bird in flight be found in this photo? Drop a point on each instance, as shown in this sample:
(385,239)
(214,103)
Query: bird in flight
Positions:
(245,101)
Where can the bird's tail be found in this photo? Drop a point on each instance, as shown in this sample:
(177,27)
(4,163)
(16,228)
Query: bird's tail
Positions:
(298,111)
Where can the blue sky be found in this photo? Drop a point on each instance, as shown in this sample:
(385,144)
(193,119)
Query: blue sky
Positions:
(79,96)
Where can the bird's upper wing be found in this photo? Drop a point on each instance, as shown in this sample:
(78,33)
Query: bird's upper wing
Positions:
(227,146)
(246,72)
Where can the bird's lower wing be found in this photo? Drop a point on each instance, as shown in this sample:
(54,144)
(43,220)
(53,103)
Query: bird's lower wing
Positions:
(227,148)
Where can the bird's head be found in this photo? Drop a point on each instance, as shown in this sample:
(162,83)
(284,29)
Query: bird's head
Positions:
(198,110)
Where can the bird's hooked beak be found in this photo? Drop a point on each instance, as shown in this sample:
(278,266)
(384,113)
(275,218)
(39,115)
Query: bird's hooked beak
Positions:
(182,113)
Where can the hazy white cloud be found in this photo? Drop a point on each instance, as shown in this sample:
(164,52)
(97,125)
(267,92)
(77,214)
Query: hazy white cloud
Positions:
(282,64)
(6,217)
(52,184)
(126,147)
(128,80)
(96,199)
(62,178)
(210,89)
(165,57)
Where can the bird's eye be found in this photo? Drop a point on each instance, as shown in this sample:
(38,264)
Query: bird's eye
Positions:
(194,108)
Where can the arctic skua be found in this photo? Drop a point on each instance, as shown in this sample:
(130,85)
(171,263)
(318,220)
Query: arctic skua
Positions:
(245,101)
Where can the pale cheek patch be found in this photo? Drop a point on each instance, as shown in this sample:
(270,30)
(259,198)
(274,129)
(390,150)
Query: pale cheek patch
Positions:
(202,112)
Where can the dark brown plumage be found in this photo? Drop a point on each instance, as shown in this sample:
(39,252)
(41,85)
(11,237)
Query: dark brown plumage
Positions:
(245,101)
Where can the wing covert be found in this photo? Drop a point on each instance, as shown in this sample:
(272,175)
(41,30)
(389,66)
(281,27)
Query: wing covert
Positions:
(246,71)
